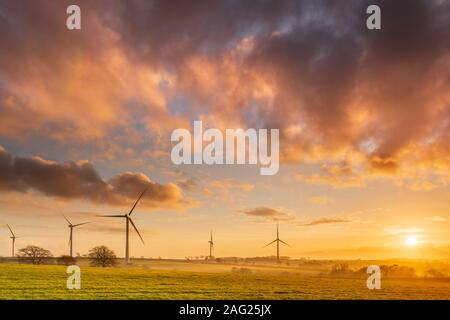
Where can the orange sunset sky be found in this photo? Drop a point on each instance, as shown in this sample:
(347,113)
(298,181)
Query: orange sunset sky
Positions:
(364,117)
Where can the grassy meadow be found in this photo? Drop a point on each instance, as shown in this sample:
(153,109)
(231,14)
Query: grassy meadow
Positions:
(196,280)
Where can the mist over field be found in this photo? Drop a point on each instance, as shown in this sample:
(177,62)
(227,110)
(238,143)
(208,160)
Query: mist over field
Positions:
(245,279)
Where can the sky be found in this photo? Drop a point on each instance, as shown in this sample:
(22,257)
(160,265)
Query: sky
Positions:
(364,117)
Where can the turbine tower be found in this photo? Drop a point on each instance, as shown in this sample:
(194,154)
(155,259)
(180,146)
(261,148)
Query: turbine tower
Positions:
(13,237)
(127,226)
(277,240)
(71,226)
(211,246)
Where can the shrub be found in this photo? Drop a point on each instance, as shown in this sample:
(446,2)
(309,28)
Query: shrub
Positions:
(340,268)
(433,273)
(66,260)
(102,256)
(396,271)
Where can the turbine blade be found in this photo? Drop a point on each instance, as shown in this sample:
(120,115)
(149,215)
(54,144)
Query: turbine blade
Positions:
(137,231)
(70,223)
(270,243)
(135,204)
(10,230)
(80,224)
(112,216)
(283,242)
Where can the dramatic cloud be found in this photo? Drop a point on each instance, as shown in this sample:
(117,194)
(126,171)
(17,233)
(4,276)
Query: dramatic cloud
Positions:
(377,100)
(266,214)
(188,184)
(324,221)
(337,175)
(80,180)
(72,85)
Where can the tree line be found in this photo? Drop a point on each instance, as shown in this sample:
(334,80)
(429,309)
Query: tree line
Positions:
(100,256)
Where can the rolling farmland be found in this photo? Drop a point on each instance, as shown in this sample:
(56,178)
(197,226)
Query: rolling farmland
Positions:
(178,280)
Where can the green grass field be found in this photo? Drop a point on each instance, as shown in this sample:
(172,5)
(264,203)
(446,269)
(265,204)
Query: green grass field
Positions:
(173,281)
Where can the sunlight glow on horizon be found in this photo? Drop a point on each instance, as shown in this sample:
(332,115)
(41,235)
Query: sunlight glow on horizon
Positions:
(411,240)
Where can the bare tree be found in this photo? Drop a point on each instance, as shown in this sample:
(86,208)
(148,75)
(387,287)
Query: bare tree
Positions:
(34,254)
(102,256)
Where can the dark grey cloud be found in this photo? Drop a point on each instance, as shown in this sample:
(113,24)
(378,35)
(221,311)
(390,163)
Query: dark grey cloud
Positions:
(379,93)
(324,221)
(80,180)
(266,214)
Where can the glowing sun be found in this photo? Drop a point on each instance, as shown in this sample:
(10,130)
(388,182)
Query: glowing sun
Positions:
(411,240)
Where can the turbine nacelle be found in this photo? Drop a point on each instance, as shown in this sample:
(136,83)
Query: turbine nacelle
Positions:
(71,226)
(126,216)
(12,233)
(211,246)
(277,240)
(128,221)
(13,238)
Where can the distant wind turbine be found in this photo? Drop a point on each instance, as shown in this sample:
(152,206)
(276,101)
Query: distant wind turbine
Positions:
(13,237)
(127,226)
(71,226)
(277,240)
(211,246)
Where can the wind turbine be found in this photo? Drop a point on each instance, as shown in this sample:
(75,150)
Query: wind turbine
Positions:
(211,246)
(277,240)
(71,226)
(13,237)
(127,226)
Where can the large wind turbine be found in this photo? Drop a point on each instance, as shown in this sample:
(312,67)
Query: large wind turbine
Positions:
(71,226)
(13,237)
(127,226)
(211,246)
(277,240)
